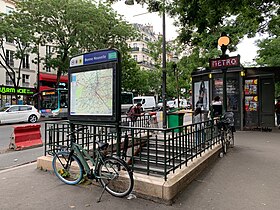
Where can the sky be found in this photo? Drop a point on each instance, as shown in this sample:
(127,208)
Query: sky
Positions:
(137,14)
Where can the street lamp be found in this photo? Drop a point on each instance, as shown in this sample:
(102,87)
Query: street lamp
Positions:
(223,42)
(164,122)
(37,61)
(176,74)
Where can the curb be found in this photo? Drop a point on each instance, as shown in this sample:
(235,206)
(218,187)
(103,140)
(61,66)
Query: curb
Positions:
(15,167)
(156,188)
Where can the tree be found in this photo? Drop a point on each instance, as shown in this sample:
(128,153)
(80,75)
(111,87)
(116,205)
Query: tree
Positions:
(74,27)
(269,49)
(18,31)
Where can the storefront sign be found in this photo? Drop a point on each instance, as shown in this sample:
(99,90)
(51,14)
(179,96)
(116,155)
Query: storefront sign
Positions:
(11,90)
(225,62)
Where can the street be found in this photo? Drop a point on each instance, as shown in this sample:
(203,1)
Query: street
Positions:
(11,158)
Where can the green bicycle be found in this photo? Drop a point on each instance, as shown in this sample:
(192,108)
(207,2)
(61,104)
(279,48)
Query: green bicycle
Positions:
(114,175)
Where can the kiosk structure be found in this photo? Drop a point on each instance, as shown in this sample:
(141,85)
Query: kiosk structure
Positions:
(250,93)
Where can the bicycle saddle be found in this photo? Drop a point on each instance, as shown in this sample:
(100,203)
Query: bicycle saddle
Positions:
(102,146)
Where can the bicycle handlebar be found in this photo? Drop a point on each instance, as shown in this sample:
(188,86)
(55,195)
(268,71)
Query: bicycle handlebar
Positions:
(76,131)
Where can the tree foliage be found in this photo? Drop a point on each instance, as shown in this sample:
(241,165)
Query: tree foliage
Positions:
(269,48)
(74,27)
(19,32)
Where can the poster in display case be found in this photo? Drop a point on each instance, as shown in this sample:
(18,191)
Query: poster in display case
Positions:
(251,87)
(251,95)
(251,103)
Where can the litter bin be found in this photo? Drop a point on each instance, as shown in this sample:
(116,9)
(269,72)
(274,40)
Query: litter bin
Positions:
(175,119)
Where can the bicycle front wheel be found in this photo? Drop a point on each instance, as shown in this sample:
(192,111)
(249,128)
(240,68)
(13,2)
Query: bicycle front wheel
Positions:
(115,176)
(67,168)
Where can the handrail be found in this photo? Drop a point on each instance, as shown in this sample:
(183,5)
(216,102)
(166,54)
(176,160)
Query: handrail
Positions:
(150,150)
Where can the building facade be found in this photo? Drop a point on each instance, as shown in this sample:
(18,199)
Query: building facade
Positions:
(139,47)
(30,72)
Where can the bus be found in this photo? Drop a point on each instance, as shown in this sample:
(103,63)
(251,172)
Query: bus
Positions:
(126,101)
(54,103)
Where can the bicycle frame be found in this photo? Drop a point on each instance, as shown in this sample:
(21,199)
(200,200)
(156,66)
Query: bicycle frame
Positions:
(81,153)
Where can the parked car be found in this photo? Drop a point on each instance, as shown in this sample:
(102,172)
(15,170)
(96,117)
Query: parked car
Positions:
(189,105)
(19,113)
(160,106)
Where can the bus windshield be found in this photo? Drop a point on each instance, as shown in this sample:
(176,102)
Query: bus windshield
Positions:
(49,100)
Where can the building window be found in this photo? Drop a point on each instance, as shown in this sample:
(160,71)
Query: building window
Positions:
(25,62)
(9,10)
(10,57)
(48,50)
(8,80)
(135,57)
(9,40)
(48,69)
(25,80)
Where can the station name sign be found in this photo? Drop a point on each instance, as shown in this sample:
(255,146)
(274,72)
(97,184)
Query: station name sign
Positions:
(95,57)
(220,63)
(20,90)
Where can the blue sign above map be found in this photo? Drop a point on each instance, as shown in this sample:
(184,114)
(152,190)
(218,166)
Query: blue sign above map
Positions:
(94,58)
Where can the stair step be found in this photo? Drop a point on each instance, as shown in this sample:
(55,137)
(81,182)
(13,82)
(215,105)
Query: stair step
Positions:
(159,163)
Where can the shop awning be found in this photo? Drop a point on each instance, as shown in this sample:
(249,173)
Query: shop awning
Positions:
(52,78)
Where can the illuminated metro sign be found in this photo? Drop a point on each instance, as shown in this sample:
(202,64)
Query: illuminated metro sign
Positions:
(220,63)
(20,90)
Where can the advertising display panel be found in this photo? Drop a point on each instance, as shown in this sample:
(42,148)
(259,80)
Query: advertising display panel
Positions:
(201,95)
(94,87)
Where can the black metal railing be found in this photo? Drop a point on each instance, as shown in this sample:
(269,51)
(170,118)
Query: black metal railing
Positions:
(149,150)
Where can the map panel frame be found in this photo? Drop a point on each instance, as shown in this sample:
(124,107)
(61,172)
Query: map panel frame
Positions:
(105,110)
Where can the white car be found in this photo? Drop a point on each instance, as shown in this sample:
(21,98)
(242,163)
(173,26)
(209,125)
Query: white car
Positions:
(19,113)
(170,104)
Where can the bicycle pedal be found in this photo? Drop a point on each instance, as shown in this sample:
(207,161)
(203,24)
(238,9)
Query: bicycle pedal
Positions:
(90,176)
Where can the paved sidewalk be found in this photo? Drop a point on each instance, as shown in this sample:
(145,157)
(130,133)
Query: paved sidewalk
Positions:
(246,178)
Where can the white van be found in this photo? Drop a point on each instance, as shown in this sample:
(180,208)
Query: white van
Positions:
(148,102)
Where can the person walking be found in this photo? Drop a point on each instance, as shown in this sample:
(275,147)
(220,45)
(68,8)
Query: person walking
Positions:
(277,111)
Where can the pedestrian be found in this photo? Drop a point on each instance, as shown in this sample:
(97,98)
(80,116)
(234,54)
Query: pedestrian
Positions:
(197,115)
(216,107)
(217,101)
(135,112)
(277,111)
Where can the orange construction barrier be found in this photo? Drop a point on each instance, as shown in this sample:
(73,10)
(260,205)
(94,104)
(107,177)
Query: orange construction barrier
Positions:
(26,136)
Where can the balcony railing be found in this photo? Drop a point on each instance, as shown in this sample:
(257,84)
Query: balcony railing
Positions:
(145,50)
(135,49)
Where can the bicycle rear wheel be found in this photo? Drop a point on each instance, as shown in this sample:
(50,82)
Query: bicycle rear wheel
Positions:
(230,137)
(67,168)
(115,176)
